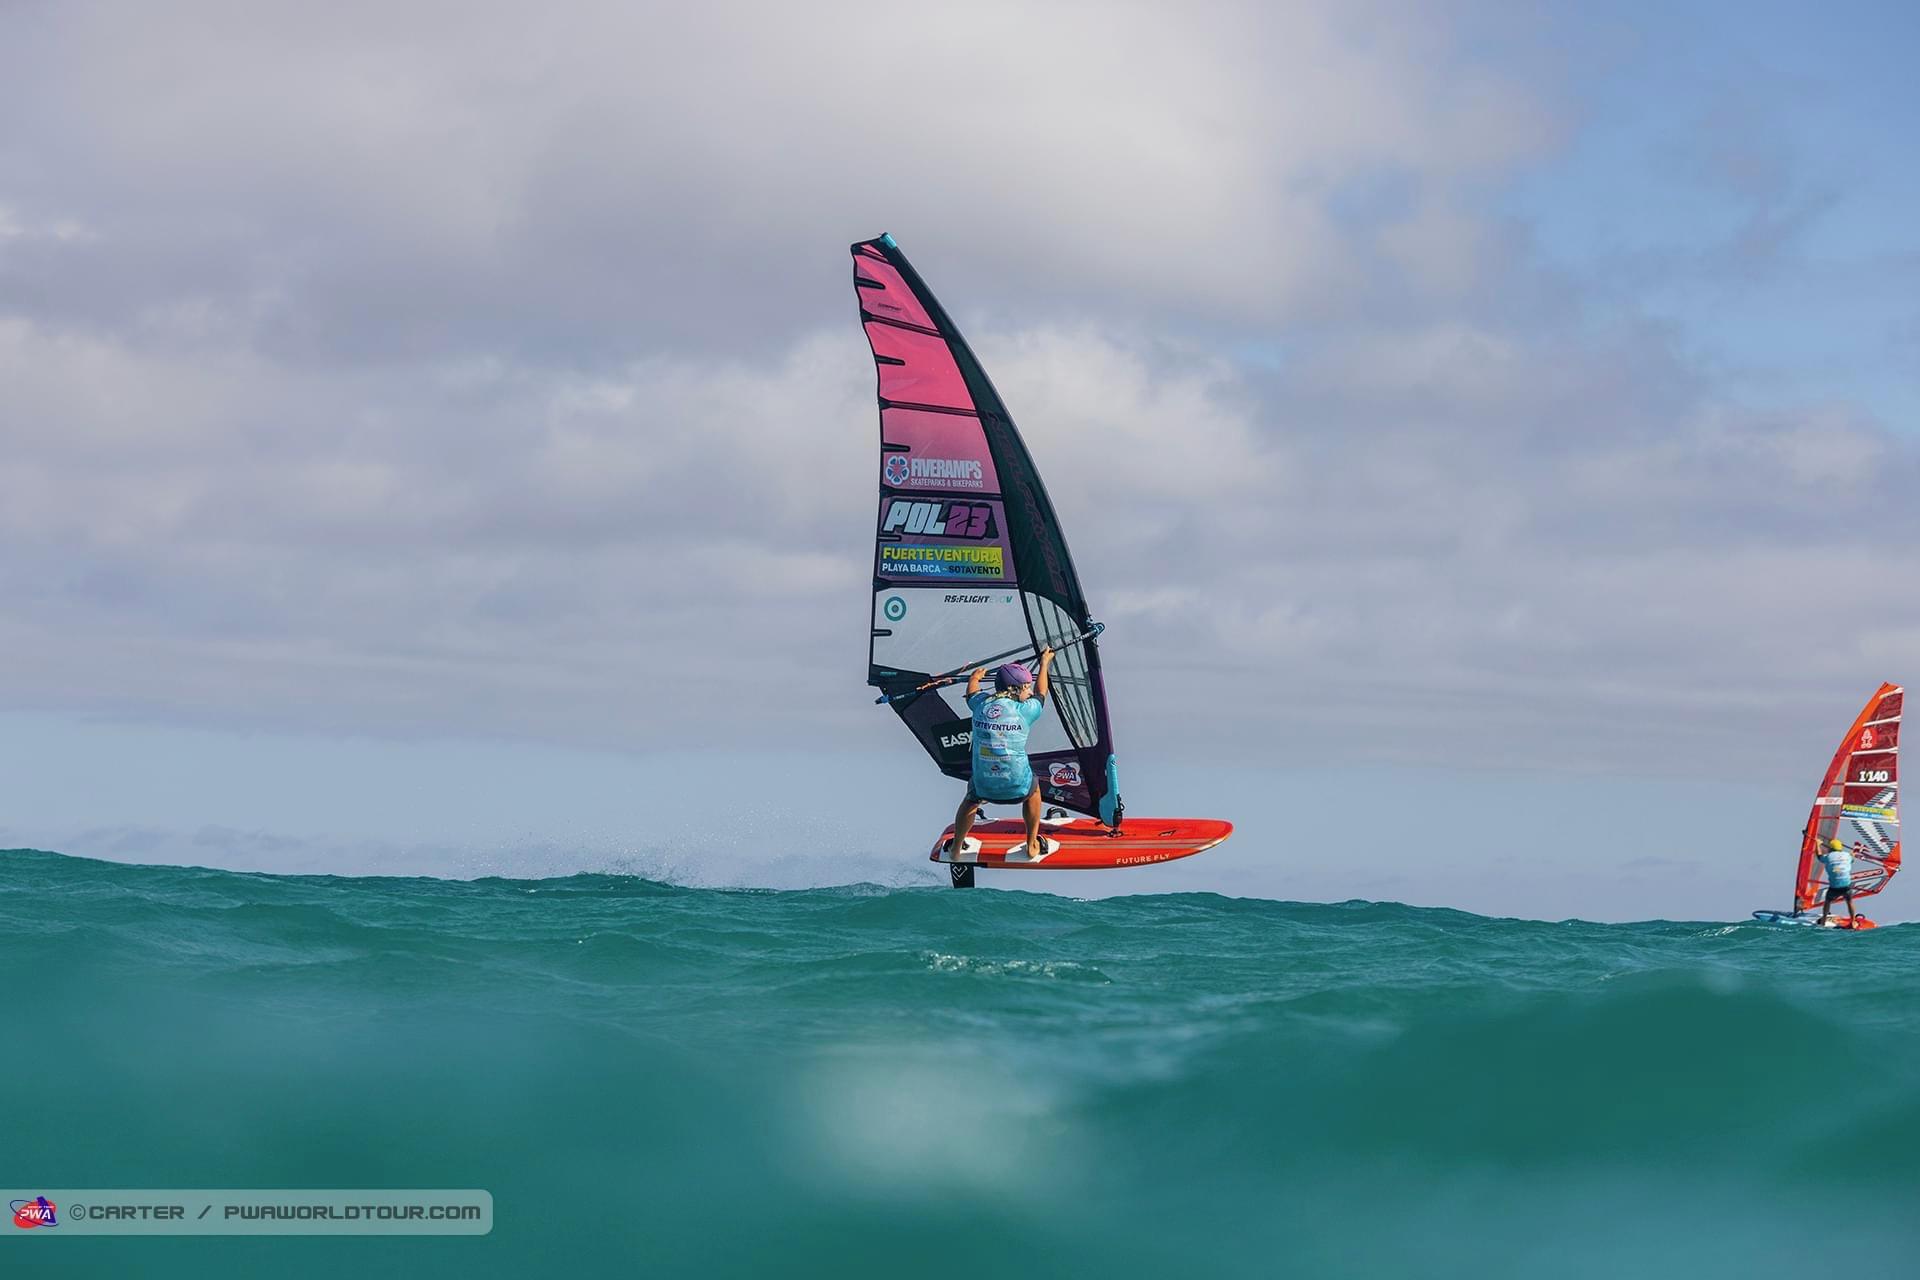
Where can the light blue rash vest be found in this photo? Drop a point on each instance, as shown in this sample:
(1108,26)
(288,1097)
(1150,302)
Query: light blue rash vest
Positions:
(1839,865)
(1000,768)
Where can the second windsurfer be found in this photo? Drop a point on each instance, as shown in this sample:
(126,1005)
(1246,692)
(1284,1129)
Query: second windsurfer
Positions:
(1838,860)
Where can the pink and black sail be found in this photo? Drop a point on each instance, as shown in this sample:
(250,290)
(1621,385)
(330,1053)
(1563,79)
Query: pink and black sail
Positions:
(969,562)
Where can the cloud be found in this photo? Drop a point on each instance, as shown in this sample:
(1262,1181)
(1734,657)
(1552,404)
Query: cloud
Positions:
(474,370)
(398,184)
(676,552)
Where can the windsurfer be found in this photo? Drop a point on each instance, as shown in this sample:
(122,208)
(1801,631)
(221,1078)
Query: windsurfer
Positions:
(1838,860)
(1001,773)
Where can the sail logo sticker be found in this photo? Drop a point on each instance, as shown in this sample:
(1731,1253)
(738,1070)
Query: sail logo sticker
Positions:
(937,473)
(908,560)
(37,1212)
(895,471)
(1063,774)
(939,519)
(895,608)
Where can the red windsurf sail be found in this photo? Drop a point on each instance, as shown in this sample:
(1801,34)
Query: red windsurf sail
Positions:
(1858,804)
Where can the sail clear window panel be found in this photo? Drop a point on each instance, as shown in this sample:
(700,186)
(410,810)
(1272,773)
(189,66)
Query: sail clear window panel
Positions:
(930,629)
(1071,685)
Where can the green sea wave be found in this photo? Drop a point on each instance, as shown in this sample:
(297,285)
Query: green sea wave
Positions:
(660,1080)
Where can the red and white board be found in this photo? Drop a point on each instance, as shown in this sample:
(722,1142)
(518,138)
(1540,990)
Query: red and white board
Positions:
(1084,844)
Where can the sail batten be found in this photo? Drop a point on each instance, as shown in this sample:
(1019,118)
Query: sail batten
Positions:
(969,559)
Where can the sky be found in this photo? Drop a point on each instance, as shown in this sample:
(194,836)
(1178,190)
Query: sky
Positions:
(439,439)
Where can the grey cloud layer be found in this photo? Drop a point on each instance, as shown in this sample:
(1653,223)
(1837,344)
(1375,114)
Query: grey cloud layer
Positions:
(457,372)
(375,183)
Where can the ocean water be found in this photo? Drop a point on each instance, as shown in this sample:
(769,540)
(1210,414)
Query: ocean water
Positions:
(655,1080)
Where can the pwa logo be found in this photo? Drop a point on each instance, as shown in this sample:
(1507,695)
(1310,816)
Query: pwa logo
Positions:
(939,519)
(37,1212)
(1063,774)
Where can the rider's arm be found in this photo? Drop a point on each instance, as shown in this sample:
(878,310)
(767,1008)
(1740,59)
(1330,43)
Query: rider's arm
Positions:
(1046,662)
(974,681)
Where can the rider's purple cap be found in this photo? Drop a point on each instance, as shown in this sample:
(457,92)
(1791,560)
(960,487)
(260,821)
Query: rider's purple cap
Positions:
(1012,676)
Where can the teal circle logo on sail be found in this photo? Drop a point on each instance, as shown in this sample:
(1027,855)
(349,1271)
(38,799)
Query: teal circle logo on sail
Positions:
(895,608)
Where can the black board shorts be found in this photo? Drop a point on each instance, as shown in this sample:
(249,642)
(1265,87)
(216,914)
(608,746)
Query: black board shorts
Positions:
(974,797)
